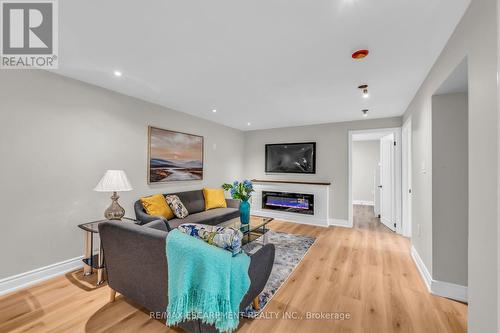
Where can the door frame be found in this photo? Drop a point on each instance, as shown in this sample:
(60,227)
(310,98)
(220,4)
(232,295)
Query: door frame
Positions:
(396,131)
(389,183)
(406,142)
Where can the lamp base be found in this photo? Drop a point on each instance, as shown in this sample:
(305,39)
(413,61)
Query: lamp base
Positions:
(114,211)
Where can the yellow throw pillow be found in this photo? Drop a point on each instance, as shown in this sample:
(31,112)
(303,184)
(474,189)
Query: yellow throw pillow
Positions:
(214,198)
(157,206)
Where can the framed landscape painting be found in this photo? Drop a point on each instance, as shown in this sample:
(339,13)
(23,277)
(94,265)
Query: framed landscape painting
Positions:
(174,156)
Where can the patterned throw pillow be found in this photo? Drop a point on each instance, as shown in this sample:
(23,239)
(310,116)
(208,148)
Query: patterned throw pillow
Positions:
(226,238)
(177,206)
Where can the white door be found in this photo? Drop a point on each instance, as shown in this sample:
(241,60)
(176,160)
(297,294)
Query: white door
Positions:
(406,179)
(376,207)
(387,181)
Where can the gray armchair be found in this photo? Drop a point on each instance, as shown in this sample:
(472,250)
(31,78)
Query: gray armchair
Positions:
(136,266)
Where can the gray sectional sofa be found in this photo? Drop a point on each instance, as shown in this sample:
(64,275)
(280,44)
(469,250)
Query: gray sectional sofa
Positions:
(195,204)
(136,266)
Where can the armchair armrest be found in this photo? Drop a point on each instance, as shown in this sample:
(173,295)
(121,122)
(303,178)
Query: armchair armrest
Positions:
(136,263)
(157,224)
(261,264)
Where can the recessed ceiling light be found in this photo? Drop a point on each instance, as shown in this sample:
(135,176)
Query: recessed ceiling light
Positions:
(360,54)
(214,110)
(364,89)
(248,124)
(365,112)
(117,73)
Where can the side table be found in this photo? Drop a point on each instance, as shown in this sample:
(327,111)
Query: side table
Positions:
(94,261)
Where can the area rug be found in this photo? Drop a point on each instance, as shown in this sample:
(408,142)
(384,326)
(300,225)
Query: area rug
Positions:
(290,249)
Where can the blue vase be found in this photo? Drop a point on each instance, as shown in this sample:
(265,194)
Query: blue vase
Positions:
(244,212)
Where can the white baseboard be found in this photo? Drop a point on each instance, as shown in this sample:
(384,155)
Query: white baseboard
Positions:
(424,273)
(363,203)
(26,279)
(449,290)
(439,288)
(339,223)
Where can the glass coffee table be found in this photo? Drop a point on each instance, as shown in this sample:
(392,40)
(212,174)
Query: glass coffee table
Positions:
(251,231)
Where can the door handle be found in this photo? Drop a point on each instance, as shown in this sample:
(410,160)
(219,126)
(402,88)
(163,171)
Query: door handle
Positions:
(380,186)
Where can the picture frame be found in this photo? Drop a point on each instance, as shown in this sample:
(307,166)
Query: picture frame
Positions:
(277,154)
(174,156)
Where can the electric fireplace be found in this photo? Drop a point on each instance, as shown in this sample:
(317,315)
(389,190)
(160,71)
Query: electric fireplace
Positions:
(289,202)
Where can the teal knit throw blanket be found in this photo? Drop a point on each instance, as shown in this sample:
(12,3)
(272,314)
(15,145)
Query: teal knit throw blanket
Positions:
(204,282)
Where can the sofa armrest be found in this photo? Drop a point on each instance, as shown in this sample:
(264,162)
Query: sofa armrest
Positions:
(233,203)
(261,264)
(144,218)
(136,263)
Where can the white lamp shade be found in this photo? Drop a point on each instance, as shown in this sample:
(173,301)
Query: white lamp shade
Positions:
(114,181)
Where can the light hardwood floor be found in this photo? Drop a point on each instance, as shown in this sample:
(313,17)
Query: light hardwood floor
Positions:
(366,271)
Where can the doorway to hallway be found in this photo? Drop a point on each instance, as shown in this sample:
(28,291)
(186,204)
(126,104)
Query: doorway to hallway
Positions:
(375,175)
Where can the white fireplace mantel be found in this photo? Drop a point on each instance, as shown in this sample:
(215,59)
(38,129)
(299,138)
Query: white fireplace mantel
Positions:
(321,192)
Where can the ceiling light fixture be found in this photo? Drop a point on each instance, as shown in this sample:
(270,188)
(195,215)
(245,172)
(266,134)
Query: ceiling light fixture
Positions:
(364,89)
(365,112)
(360,54)
(214,110)
(117,73)
(248,124)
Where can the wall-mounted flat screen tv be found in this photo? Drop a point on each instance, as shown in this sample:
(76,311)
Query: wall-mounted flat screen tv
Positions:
(291,158)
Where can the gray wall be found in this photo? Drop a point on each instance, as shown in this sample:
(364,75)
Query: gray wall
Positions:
(57,138)
(365,159)
(450,204)
(331,155)
(498,162)
(476,38)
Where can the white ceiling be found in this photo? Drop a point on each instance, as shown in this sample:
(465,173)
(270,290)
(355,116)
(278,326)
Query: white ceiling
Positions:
(273,63)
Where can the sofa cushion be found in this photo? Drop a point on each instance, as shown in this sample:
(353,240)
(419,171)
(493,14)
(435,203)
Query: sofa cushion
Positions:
(210,217)
(192,200)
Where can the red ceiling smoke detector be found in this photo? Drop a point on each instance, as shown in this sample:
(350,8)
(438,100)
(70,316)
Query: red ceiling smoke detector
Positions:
(360,54)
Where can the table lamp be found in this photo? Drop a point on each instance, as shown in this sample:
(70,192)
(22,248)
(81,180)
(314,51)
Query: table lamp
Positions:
(114,181)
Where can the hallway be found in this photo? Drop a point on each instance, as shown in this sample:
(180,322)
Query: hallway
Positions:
(364,218)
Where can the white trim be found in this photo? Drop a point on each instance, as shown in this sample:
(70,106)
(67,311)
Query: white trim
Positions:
(449,290)
(363,203)
(292,217)
(396,131)
(339,223)
(406,177)
(435,287)
(26,279)
(424,273)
